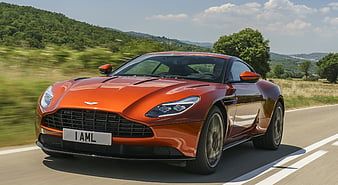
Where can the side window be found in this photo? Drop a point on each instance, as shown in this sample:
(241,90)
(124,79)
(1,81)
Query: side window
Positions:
(161,69)
(238,68)
(145,67)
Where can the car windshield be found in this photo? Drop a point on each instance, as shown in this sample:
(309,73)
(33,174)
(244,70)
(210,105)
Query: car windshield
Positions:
(203,68)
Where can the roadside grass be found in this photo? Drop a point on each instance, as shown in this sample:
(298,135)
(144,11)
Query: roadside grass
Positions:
(299,94)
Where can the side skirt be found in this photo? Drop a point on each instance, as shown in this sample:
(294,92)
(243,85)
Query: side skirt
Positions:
(230,145)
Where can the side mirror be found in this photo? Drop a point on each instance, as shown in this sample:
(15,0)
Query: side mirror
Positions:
(248,76)
(106,69)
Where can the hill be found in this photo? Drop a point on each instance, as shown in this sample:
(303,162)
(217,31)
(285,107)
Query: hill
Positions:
(314,57)
(185,45)
(291,63)
(201,44)
(26,26)
(309,57)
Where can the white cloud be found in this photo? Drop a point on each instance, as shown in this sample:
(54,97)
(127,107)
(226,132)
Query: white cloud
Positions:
(283,14)
(220,9)
(325,10)
(274,17)
(298,25)
(277,9)
(334,5)
(331,20)
(326,31)
(293,28)
(175,17)
(286,5)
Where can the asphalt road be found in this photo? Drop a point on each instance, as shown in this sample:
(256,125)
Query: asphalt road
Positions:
(308,155)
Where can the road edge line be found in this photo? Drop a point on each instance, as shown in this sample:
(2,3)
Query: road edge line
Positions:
(17,150)
(291,169)
(279,162)
(308,108)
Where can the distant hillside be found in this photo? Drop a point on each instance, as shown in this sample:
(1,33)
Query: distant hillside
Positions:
(313,57)
(291,63)
(309,57)
(28,26)
(173,42)
(201,44)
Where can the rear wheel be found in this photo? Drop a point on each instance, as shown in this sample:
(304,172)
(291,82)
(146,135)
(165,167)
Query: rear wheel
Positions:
(210,146)
(273,136)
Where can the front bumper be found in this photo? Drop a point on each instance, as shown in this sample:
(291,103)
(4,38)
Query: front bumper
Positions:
(126,152)
(170,142)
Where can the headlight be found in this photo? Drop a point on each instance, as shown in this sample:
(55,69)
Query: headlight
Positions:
(47,97)
(173,108)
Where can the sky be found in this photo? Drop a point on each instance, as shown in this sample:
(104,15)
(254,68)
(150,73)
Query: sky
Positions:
(291,26)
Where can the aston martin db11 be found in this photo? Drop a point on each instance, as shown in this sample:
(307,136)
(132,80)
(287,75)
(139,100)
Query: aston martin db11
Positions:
(179,106)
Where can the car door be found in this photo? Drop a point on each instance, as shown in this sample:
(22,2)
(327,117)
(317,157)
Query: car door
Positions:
(248,100)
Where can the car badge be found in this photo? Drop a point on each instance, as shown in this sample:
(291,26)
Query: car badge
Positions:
(91,103)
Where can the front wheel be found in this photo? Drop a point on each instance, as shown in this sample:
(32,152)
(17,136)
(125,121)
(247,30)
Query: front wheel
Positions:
(210,145)
(273,136)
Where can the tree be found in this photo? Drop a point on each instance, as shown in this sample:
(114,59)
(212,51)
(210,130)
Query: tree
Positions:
(248,45)
(278,71)
(328,67)
(305,67)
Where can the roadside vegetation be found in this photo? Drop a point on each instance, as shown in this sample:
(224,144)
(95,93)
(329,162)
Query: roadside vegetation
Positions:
(298,93)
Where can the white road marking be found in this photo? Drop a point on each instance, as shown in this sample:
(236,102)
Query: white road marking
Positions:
(316,107)
(279,162)
(291,169)
(335,143)
(11,151)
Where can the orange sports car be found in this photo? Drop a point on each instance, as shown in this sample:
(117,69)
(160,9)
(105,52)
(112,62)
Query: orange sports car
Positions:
(180,106)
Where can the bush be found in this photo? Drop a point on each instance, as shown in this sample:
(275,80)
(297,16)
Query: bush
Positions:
(311,78)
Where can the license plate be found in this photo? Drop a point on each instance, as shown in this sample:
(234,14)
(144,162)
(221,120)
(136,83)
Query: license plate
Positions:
(90,137)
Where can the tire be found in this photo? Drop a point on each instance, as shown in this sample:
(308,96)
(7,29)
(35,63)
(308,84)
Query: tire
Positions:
(273,136)
(57,155)
(210,145)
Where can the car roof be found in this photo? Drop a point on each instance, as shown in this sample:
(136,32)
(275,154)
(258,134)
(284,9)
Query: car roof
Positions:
(191,53)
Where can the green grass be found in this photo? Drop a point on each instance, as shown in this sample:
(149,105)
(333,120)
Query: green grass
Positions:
(301,101)
(18,99)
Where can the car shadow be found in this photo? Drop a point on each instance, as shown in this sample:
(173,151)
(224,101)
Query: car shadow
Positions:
(235,162)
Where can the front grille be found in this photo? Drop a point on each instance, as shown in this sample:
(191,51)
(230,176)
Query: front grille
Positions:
(94,120)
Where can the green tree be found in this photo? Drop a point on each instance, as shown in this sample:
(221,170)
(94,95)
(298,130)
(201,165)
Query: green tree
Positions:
(305,67)
(248,45)
(139,47)
(278,71)
(328,67)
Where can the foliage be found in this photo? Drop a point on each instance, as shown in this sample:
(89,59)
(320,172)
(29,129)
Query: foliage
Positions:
(305,67)
(248,45)
(171,44)
(278,71)
(138,47)
(311,78)
(30,27)
(328,67)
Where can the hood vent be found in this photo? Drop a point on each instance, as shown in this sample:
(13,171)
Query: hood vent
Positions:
(201,85)
(82,78)
(144,81)
(106,80)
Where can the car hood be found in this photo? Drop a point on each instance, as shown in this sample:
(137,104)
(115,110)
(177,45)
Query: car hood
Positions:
(117,94)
